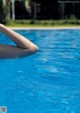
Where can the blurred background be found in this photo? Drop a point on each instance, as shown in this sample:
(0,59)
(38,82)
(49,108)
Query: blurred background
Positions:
(39,10)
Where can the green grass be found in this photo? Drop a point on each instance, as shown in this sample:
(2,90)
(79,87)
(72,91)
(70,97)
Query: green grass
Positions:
(43,23)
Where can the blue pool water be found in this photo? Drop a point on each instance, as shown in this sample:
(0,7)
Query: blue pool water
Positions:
(48,81)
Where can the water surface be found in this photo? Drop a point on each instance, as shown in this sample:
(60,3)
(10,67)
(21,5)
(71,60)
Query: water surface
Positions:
(47,82)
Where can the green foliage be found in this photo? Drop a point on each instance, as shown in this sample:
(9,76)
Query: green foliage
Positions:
(43,23)
(73,17)
(4,11)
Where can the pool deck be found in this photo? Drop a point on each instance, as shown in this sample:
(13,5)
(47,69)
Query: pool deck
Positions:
(43,28)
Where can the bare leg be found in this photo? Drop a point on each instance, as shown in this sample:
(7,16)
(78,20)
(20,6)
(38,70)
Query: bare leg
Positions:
(21,42)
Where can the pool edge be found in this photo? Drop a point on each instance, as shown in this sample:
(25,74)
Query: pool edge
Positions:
(42,28)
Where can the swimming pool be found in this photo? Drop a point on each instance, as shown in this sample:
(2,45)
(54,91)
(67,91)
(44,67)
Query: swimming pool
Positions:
(48,81)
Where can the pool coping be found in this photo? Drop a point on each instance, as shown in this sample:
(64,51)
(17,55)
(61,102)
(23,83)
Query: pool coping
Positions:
(43,28)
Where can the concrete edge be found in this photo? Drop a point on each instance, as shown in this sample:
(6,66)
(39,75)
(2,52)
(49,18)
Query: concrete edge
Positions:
(43,28)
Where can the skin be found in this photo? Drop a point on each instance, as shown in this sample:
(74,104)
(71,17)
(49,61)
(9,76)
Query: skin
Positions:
(23,47)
